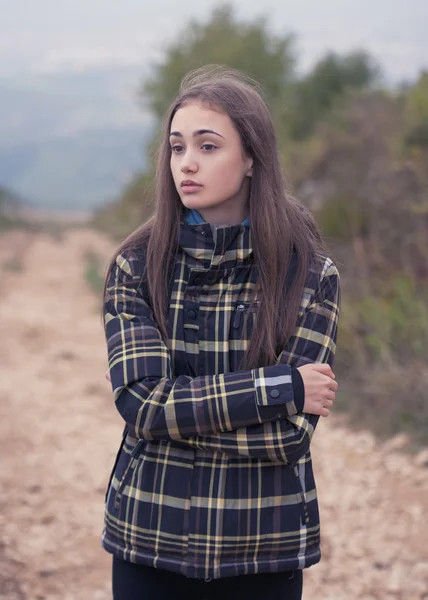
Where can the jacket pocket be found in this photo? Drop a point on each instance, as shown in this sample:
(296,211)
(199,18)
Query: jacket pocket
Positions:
(116,460)
(133,461)
(301,495)
(241,312)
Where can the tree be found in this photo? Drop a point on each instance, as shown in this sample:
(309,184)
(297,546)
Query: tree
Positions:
(416,113)
(316,94)
(248,47)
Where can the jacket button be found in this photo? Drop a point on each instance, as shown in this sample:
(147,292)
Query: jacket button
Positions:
(191,314)
(274,393)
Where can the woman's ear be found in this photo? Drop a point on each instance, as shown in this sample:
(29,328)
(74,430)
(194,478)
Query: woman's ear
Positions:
(249,172)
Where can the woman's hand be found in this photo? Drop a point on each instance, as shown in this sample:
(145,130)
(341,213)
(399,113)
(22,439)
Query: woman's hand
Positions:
(320,388)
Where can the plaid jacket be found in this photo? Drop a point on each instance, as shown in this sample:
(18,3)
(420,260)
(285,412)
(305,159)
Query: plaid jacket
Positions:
(214,478)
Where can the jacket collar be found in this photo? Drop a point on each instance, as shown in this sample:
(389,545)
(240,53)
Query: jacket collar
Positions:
(219,247)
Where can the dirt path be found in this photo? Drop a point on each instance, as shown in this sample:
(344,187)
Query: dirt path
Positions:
(56,414)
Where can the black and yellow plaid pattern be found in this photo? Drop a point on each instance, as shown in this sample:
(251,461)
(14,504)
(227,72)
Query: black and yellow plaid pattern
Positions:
(215,475)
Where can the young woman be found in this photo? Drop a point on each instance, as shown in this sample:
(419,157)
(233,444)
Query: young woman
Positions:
(221,322)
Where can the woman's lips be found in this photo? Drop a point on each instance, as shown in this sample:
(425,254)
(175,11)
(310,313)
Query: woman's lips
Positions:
(191,188)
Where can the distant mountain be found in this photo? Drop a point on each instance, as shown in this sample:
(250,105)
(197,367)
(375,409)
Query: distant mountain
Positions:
(10,200)
(72,140)
(74,172)
(11,207)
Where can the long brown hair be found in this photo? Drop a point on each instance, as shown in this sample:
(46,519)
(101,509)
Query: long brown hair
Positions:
(279,224)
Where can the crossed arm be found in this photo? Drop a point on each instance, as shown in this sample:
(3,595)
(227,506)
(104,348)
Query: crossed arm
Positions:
(233,413)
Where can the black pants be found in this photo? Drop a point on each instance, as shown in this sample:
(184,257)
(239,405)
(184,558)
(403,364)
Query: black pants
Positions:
(138,582)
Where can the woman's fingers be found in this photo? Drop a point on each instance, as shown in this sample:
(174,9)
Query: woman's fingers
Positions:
(323,368)
(320,388)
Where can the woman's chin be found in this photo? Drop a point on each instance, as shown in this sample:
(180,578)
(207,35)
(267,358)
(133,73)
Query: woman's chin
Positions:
(192,203)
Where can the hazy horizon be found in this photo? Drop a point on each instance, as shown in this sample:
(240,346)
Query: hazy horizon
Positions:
(49,36)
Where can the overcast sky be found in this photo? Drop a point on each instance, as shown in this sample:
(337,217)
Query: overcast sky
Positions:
(57,34)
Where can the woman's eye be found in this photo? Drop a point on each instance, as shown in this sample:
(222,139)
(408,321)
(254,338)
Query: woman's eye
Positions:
(176,148)
(209,147)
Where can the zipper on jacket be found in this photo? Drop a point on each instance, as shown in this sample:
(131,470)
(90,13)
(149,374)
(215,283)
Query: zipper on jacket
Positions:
(131,465)
(237,318)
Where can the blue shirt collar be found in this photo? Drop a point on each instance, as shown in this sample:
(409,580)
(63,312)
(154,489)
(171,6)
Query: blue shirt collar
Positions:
(194,218)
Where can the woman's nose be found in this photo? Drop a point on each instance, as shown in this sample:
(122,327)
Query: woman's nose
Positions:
(188,165)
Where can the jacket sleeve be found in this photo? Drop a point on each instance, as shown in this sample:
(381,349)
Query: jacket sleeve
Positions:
(286,440)
(157,407)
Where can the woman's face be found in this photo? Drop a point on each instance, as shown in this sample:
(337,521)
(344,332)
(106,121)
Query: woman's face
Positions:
(210,170)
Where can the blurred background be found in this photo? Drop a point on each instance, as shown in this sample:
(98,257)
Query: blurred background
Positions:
(83,88)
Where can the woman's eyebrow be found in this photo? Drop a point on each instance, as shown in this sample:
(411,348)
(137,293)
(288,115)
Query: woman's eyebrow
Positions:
(196,133)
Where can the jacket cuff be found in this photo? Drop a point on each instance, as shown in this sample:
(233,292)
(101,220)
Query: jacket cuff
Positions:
(298,389)
(274,392)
